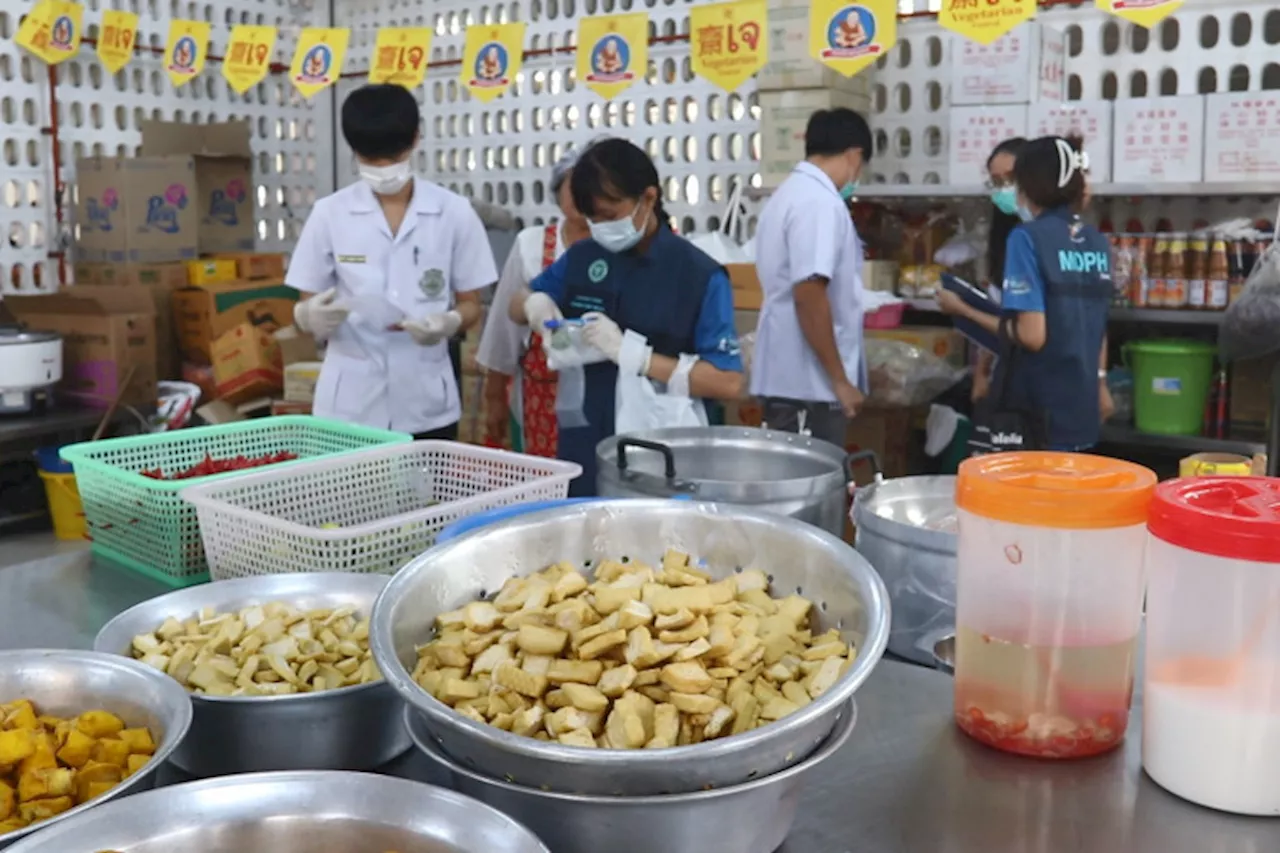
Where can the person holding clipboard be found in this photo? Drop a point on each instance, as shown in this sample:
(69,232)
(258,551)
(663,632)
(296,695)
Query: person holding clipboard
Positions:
(1049,389)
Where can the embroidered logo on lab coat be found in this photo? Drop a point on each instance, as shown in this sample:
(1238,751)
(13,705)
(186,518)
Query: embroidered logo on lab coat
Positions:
(597,271)
(432,283)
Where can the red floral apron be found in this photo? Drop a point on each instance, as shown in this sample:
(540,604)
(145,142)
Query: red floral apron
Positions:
(538,382)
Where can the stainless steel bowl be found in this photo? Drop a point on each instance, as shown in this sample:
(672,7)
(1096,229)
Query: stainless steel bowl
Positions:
(800,558)
(67,683)
(298,812)
(754,817)
(353,728)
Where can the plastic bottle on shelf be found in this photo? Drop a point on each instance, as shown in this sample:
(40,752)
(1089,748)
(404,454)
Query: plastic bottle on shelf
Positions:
(1049,600)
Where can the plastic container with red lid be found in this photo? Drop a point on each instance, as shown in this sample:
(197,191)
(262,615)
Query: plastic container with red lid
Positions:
(1211,691)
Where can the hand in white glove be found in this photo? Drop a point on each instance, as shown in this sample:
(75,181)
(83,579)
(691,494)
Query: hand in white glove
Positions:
(433,328)
(538,309)
(321,315)
(603,334)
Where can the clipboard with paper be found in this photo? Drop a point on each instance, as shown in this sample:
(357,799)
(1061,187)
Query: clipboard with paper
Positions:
(978,300)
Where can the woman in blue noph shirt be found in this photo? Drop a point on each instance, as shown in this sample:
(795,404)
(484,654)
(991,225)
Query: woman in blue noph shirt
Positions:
(1056,294)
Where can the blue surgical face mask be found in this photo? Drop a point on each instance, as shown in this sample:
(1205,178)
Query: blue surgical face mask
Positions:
(1006,200)
(849,190)
(618,235)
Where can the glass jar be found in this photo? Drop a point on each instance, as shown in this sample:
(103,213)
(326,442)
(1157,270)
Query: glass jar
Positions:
(1211,689)
(1048,600)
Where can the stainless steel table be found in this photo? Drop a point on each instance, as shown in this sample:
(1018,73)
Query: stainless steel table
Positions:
(908,782)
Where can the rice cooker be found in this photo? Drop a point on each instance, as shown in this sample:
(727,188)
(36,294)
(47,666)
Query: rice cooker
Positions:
(30,365)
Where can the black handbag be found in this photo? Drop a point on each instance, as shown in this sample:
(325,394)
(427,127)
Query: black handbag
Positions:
(998,426)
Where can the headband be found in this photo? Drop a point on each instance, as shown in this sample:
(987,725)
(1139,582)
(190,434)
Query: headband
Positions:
(1070,161)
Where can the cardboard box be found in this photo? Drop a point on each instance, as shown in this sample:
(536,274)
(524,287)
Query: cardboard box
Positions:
(747,295)
(136,210)
(784,117)
(256,264)
(1251,392)
(1159,140)
(300,381)
(1092,121)
(975,131)
(211,271)
(887,431)
(880,275)
(296,346)
(285,407)
(162,280)
(790,64)
(1024,66)
(1242,142)
(204,314)
(946,343)
(108,335)
(246,364)
(221,159)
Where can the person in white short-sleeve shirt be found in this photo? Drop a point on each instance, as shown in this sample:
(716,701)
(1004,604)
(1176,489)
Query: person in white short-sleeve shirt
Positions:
(809,367)
(395,264)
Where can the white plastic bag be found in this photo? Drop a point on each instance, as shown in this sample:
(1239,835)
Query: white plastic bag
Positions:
(725,246)
(640,406)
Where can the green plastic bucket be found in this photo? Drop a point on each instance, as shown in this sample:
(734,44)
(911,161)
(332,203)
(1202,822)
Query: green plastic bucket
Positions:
(1171,380)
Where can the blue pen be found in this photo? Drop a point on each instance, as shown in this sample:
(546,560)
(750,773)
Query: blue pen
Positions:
(415,256)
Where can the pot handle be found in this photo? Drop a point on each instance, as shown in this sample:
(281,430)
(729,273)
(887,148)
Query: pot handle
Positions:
(668,458)
(853,459)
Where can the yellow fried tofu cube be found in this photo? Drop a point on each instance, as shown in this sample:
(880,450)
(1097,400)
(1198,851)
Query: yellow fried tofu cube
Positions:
(13,824)
(15,746)
(136,762)
(77,750)
(111,751)
(8,801)
(99,724)
(22,715)
(44,809)
(45,782)
(93,772)
(41,758)
(96,789)
(139,740)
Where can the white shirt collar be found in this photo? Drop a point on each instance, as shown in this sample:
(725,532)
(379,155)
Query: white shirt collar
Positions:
(804,167)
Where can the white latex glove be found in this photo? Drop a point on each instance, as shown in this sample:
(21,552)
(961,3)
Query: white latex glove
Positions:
(538,309)
(603,334)
(321,315)
(433,328)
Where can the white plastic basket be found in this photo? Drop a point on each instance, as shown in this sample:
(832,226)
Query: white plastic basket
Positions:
(366,511)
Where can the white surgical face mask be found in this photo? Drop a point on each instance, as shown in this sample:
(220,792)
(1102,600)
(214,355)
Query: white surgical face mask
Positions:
(619,235)
(387,180)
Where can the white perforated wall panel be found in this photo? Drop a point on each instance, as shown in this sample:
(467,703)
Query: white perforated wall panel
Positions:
(99,113)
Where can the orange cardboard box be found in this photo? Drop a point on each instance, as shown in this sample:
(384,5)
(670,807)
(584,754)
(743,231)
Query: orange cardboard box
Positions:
(254,265)
(747,295)
(202,314)
(246,364)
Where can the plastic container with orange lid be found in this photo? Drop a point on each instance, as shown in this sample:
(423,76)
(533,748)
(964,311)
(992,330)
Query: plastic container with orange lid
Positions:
(1048,599)
(1211,690)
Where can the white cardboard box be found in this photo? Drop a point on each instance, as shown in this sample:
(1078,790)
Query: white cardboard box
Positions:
(783,119)
(1024,66)
(1159,140)
(790,66)
(1090,120)
(974,133)
(1242,137)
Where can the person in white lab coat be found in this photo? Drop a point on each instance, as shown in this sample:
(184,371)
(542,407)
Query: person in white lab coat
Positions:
(809,369)
(508,350)
(395,264)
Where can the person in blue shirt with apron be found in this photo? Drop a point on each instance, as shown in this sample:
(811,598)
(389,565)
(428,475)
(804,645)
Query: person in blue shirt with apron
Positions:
(1049,390)
(633,275)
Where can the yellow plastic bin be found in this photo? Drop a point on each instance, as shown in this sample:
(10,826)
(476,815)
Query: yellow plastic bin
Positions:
(64,505)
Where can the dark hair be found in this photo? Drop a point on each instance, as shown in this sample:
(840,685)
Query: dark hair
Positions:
(1040,168)
(1002,224)
(832,132)
(614,169)
(381,121)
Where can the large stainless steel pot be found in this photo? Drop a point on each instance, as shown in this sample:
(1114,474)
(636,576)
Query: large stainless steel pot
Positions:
(352,728)
(799,558)
(778,472)
(906,530)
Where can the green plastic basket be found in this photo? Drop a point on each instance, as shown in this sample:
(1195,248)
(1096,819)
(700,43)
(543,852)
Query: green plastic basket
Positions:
(143,524)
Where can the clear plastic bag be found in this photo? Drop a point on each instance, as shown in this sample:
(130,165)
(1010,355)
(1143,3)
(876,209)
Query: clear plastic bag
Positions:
(905,375)
(1249,328)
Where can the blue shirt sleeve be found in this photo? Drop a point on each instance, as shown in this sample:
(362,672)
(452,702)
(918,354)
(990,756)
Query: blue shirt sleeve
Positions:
(551,280)
(1023,287)
(715,335)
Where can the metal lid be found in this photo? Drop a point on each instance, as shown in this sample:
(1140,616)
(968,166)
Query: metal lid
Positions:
(18,335)
(733,464)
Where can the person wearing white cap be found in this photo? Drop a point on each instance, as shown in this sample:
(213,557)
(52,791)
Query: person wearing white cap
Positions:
(509,351)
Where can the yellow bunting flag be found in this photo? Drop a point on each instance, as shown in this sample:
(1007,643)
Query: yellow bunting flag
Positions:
(400,56)
(51,30)
(1144,13)
(116,40)
(613,52)
(729,41)
(248,56)
(317,62)
(850,36)
(186,50)
(492,58)
(984,21)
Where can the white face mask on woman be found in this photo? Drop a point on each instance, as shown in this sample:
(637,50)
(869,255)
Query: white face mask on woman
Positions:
(387,180)
(620,234)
